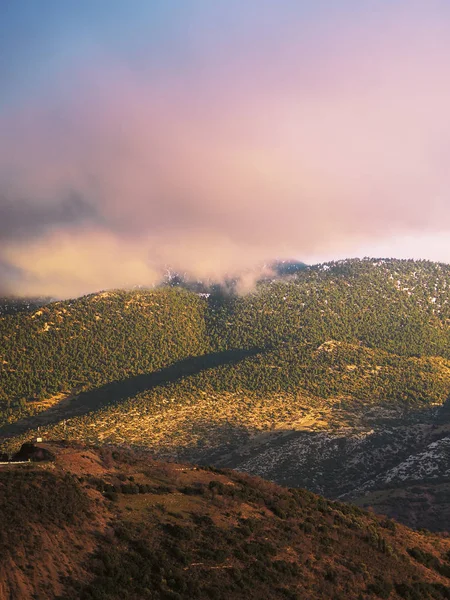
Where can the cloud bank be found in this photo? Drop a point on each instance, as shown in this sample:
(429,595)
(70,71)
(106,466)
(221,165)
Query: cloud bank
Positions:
(296,145)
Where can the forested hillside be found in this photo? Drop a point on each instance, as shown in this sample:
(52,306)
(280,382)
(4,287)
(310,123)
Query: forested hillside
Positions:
(397,306)
(376,307)
(81,344)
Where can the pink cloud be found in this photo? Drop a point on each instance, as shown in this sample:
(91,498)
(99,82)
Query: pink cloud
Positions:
(295,153)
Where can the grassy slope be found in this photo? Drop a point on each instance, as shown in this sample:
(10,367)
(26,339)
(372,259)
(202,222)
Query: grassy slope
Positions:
(156,530)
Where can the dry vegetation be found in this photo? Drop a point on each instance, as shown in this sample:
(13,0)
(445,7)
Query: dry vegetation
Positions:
(125,526)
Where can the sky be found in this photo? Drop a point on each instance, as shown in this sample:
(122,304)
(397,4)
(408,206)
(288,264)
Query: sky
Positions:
(214,137)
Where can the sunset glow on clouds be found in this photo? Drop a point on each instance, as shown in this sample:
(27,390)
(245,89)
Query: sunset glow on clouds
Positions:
(214,137)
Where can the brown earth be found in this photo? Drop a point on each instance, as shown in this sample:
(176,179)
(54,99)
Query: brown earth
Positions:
(108,523)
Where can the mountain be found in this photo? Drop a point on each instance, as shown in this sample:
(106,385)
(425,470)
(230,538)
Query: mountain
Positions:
(12,304)
(333,378)
(113,523)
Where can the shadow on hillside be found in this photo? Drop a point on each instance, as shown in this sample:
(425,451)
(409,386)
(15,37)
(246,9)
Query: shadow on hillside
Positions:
(443,414)
(127,388)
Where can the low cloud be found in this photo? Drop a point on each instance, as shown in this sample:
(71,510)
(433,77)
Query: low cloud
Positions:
(112,176)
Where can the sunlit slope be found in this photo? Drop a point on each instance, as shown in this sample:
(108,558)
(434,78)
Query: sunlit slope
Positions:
(288,388)
(310,332)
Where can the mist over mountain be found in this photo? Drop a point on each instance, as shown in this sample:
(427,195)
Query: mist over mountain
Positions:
(278,135)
